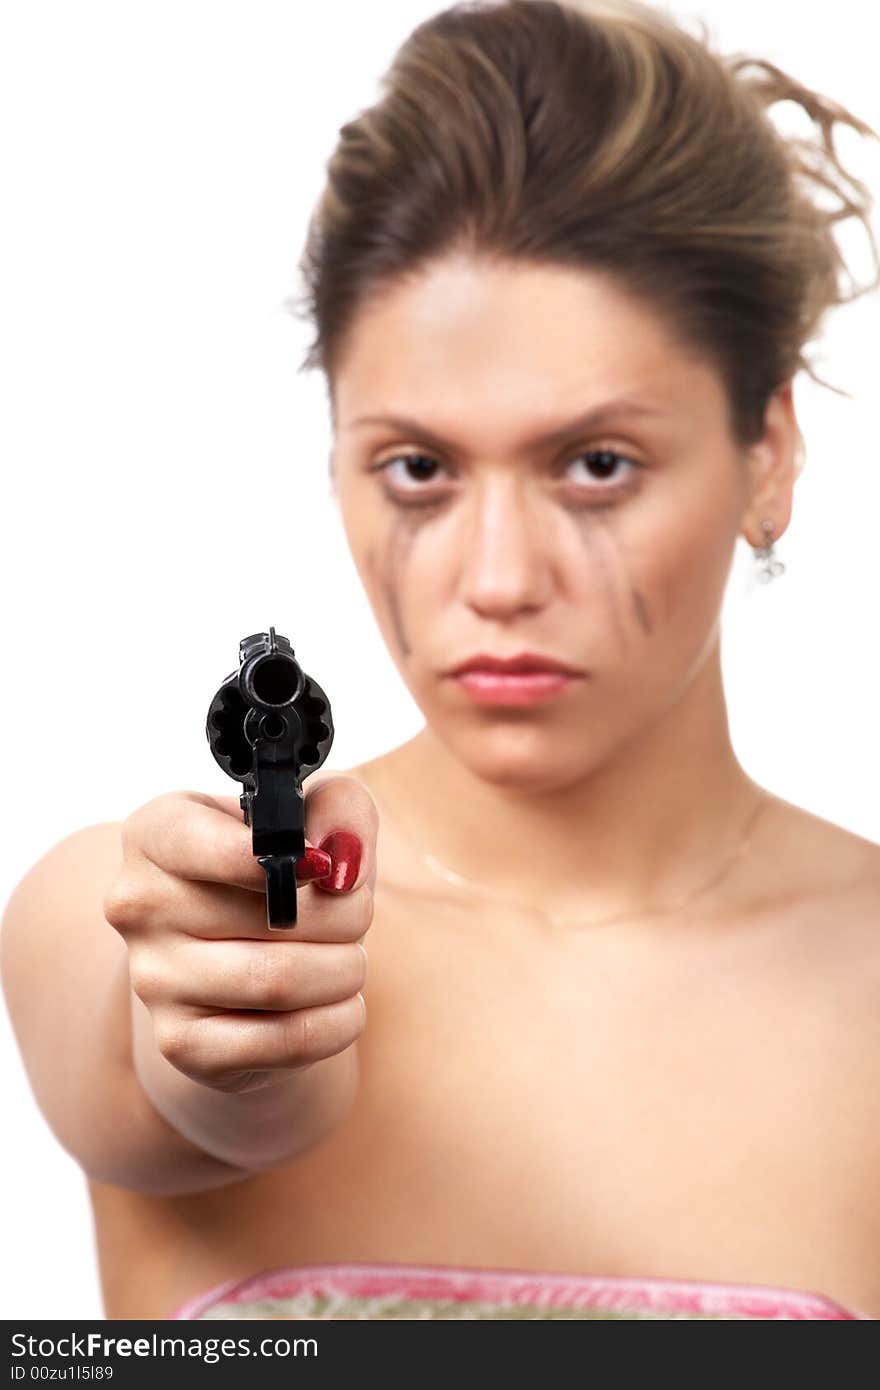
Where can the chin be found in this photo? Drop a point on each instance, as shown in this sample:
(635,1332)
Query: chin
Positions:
(523,754)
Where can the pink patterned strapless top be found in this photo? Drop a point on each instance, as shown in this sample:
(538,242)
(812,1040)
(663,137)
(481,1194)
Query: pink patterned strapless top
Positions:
(342,1292)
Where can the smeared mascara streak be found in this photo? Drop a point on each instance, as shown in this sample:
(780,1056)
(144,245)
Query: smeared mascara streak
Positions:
(640,607)
(641,610)
(400,541)
(379,574)
(590,525)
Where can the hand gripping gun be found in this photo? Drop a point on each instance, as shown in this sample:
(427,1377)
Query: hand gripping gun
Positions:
(268,726)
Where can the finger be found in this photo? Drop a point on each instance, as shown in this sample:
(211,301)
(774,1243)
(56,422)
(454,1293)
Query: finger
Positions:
(231,805)
(217,1044)
(334,916)
(191,836)
(160,903)
(240,974)
(342,818)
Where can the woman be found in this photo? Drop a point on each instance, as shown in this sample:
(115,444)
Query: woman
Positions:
(620,1015)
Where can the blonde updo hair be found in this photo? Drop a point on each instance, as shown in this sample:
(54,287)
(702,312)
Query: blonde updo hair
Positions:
(604,136)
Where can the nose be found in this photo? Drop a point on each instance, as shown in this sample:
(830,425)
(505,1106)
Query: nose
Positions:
(506,567)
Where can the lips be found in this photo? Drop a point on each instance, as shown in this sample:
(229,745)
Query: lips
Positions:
(525,679)
(524,663)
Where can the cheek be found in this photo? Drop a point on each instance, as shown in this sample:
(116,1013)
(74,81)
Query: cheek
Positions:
(386,577)
(647,584)
(613,593)
(380,540)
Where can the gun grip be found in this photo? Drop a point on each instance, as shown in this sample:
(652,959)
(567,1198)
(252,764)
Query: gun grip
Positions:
(280,889)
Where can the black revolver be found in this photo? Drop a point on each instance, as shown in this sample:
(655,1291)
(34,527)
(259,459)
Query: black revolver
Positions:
(269,725)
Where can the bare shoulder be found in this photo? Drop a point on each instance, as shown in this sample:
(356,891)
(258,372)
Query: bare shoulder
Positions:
(825,881)
(75,867)
(821,856)
(56,907)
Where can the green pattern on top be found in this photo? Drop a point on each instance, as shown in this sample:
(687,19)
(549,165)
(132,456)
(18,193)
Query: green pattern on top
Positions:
(340,1307)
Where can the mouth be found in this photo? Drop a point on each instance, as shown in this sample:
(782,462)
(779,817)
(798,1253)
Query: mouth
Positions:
(523,679)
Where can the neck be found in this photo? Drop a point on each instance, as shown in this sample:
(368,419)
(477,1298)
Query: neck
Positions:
(640,831)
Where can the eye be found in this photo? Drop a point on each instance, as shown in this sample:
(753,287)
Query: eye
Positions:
(604,464)
(409,472)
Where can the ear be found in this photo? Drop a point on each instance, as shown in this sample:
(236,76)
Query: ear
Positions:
(774,463)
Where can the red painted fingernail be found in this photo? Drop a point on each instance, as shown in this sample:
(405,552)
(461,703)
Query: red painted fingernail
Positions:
(345,850)
(315,864)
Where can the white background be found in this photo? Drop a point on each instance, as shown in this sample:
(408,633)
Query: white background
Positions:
(165,468)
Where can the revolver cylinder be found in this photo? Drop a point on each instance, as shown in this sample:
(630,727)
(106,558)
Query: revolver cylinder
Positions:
(268,726)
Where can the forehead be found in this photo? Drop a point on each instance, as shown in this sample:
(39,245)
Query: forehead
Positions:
(503,339)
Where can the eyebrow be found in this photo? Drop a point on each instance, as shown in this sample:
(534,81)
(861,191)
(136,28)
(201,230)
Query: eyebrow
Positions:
(599,416)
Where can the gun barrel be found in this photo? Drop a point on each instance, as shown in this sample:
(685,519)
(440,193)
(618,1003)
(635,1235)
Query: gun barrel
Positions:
(273,681)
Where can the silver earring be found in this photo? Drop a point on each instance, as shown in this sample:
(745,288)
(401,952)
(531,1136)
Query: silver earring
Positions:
(768,565)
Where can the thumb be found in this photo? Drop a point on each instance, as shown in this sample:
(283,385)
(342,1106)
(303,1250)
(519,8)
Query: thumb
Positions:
(342,819)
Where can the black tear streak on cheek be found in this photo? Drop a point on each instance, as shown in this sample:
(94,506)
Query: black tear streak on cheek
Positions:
(641,610)
(400,543)
(590,527)
(383,578)
(640,607)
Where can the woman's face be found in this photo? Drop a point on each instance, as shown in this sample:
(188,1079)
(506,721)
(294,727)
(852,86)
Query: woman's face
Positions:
(491,520)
